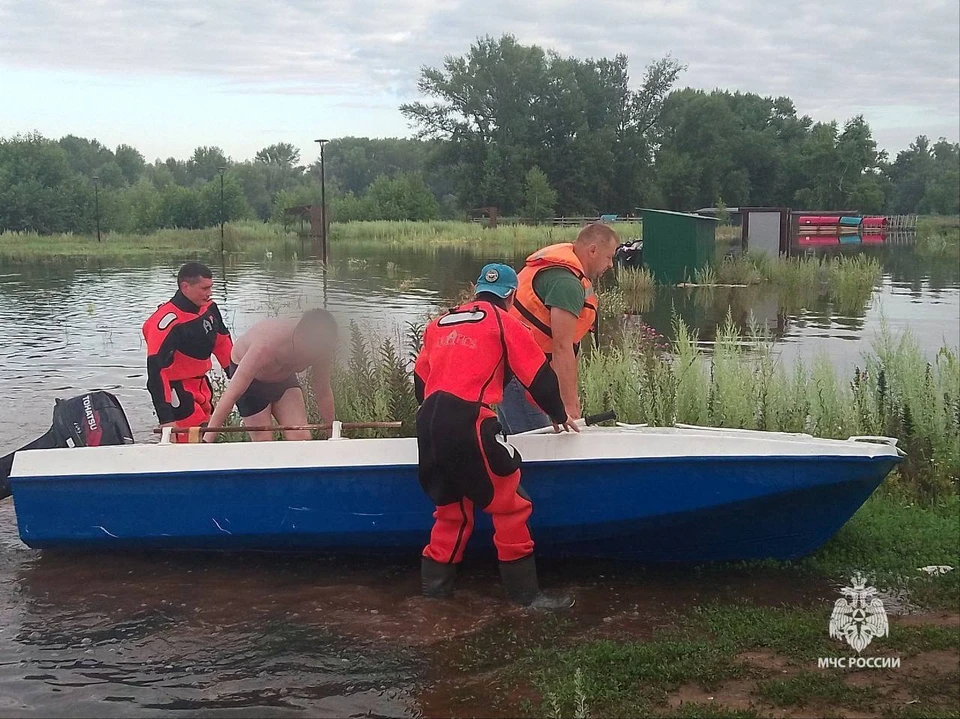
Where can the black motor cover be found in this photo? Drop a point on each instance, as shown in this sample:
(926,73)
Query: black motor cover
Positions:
(93,419)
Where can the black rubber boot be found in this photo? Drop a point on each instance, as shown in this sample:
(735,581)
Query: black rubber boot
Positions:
(436,580)
(520,581)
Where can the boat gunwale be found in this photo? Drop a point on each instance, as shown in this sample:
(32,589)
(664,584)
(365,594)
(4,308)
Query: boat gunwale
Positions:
(329,469)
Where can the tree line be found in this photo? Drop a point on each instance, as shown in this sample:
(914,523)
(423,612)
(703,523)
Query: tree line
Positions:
(507,125)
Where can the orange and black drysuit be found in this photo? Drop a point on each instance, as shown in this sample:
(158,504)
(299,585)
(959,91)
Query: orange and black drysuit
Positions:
(467,356)
(180,339)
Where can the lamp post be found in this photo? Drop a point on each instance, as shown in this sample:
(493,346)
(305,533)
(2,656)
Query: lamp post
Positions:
(323,202)
(96,195)
(221,171)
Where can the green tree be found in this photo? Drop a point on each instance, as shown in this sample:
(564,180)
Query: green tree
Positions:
(540,199)
(130,162)
(282,154)
(204,165)
(39,192)
(144,200)
(350,208)
(942,194)
(180,207)
(234,203)
(504,107)
(84,156)
(404,197)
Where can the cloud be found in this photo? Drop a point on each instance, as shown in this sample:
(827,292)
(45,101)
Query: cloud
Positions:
(834,59)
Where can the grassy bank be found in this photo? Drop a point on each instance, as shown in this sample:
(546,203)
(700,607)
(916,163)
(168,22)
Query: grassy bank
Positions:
(741,640)
(254,240)
(245,239)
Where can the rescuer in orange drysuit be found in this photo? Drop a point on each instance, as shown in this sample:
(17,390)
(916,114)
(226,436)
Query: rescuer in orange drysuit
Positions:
(468,354)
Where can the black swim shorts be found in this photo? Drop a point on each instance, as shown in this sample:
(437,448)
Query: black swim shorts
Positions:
(260,395)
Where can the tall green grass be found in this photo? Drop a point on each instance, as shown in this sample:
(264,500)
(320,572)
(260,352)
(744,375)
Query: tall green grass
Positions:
(742,385)
(939,238)
(460,234)
(847,281)
(639,288)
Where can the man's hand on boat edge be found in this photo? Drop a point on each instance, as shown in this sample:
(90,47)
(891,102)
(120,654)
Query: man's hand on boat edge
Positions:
(569,426)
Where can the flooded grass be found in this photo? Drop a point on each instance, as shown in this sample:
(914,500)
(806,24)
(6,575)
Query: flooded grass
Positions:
(847,282)
(896,393)
(248,239)
(504,238)
(251,239)
(637,287)
(938,238)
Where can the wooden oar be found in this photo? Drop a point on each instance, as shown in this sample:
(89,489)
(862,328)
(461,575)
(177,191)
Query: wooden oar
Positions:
(194,433)
(281,428)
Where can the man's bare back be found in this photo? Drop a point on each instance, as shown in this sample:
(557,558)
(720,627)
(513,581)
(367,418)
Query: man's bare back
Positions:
(270,341)
(263,371)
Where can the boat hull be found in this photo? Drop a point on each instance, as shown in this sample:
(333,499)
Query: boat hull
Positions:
(639,508)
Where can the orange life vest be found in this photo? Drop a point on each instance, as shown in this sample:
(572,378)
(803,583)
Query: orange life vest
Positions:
(529,307)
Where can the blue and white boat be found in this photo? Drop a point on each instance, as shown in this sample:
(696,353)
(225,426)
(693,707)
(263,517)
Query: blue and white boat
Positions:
(627,492)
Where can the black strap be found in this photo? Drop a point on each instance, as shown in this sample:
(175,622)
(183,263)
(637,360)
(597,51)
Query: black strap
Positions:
(529,316)
(503,356)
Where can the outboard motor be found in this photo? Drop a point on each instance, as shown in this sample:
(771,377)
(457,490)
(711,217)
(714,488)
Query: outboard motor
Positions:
(630,254)
(94,419)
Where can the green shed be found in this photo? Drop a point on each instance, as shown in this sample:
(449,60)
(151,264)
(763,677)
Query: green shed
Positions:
(677,244)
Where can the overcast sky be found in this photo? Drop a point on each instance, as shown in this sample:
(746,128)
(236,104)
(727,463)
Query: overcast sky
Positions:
(168,75)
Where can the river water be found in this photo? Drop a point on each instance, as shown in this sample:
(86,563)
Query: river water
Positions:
(160,635)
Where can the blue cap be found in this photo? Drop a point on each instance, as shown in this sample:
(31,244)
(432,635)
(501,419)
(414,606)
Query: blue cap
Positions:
(498,279)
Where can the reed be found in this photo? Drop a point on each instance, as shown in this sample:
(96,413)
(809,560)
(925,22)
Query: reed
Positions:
(634,281)
(637,373)
(742,385)
(939,238)
(461,234)
(743,270)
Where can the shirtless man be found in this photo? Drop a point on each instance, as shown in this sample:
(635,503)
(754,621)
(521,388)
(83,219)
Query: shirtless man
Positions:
(263,374)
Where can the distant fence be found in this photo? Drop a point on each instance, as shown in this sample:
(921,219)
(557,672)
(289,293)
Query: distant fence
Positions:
(901,222)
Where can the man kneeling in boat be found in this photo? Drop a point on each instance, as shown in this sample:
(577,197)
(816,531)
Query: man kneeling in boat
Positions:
(467,356)
(263,375)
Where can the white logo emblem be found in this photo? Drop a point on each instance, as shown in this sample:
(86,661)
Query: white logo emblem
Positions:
(491,276)
(454,338)
(859,618)
(88,411)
